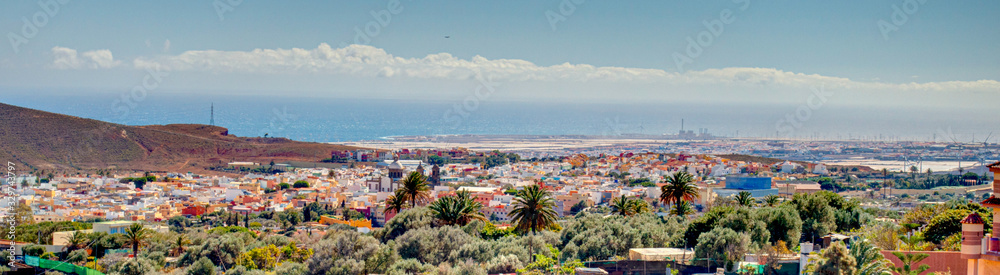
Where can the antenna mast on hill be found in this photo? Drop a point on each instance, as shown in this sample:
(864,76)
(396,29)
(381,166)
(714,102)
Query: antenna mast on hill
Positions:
(211,120)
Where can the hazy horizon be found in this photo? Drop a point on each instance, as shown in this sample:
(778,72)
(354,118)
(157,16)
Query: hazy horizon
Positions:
(325,119)
(908,69)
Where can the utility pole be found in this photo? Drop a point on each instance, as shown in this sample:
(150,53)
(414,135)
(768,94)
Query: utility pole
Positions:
(211,120)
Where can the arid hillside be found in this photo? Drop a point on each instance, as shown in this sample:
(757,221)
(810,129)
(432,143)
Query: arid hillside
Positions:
(34,139)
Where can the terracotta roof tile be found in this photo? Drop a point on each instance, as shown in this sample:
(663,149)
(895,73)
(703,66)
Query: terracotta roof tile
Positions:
(973,218)
(992,201)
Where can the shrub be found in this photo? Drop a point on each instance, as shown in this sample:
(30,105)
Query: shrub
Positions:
(178,223)
(265,257)
(343,252)
(203,266)
(221,251)
(724,244)
(33,250)
(242,270)
(409,266)
(276,240)
(504,264)
(704,224)
(77,256)
(291,268)
(4,257)
(744,221)
(818,217)
(112,260)
(158,258)
(383,258)
(407,220)
(591,236)
(469,267)
(782,222)
(836,260)
(301,184)
(432,245)
(944,225)
(49,256)
(137,266)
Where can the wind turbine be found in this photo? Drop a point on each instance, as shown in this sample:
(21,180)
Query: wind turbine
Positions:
(982,159)
(955,142)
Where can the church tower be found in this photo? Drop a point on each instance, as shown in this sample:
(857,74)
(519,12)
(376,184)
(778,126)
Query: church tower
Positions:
(436,174)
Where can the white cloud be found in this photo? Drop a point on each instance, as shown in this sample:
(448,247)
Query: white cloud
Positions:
(166,46)
(66,58)
(368,61)
(364,60)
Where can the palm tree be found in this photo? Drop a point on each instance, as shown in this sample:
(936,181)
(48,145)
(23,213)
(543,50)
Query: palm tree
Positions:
(909,260)
(639,206)
(679,187)
(533,210)
(76,241)
(682,208)
(457,210)
(415,189)
(621,206)
(135,235)
(870,261)
(445,210)
(179,245)
(772,200)
(396,202)
(626,206)
(744,198)
(914,242)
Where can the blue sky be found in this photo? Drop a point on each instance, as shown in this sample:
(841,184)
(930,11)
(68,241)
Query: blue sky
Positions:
(945,48)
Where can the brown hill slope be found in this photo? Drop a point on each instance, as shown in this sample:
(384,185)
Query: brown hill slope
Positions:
(43,140)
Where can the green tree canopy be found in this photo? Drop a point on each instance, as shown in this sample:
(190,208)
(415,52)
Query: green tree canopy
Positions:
(722,247)
(818,217)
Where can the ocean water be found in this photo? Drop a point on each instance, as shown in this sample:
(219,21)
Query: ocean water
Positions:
(339,119)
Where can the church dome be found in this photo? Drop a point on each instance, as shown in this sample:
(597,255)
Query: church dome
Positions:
(396,165)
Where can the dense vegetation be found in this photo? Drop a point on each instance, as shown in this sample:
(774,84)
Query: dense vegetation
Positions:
(450,236)
(844,179)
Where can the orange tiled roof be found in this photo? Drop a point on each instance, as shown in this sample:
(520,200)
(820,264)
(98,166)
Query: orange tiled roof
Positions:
(973,218)
(992,201)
